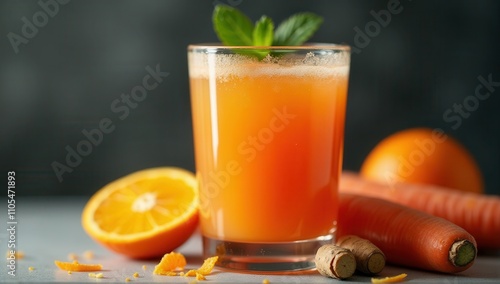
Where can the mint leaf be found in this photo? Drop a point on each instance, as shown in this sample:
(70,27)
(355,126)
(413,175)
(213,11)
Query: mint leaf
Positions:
(232,26)
(263,32)
(263,35)
(297,29)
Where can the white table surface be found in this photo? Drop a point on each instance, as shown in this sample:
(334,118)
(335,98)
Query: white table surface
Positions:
(49,229)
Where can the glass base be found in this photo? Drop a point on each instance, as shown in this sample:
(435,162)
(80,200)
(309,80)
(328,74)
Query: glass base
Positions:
(265,257)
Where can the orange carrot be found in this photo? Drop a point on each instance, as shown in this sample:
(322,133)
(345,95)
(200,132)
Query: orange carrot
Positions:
(478,214)
(406,236)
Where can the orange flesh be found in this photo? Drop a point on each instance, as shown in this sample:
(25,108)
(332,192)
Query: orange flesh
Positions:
(157,203)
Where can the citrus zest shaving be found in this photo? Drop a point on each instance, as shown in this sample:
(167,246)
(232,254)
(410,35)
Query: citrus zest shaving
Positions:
(76,266)
(88,254)
(172,262)
(391,279)
(17,254)
(96,275)
(208,265)
(169,263)
(200,277)
(171,273)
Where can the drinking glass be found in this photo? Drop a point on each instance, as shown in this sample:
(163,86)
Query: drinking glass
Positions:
(268,134)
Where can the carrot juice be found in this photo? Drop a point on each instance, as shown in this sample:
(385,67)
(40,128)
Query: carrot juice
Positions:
(268,137)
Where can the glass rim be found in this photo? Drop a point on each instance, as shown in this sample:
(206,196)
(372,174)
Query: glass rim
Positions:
(307,46)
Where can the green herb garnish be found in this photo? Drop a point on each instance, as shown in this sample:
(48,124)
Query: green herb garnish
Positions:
(263,32)
(235,29)
(297,29)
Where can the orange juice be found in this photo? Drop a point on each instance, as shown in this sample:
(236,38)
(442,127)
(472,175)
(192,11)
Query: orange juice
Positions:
(268,144)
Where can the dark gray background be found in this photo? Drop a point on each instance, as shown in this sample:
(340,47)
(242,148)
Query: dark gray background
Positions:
(64,80)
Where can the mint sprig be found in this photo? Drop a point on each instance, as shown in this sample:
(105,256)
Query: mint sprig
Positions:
(236,29)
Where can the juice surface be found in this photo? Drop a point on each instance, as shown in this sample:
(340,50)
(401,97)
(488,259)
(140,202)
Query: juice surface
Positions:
(268,148)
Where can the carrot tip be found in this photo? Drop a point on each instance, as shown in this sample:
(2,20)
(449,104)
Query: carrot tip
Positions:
(462,253)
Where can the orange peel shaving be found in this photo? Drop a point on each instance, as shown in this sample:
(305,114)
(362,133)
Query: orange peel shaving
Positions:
(190,273)
(172,262)
(200,277)
(17,254)
(169,263)
(391,279)
(76,266)
(208,265)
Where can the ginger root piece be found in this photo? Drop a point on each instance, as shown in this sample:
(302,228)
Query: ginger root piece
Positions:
(335,262)
(370,259)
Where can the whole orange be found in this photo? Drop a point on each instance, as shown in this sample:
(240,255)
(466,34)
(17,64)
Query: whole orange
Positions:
(423,155)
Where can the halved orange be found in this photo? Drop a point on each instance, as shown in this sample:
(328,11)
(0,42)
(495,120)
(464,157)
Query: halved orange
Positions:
(144,214)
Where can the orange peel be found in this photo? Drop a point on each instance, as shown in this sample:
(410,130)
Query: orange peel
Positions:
(77,267)
(173,262)
(208,265)
(169,263)
(390,279)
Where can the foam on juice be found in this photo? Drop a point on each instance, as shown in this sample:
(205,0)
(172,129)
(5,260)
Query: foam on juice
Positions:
(229,65)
